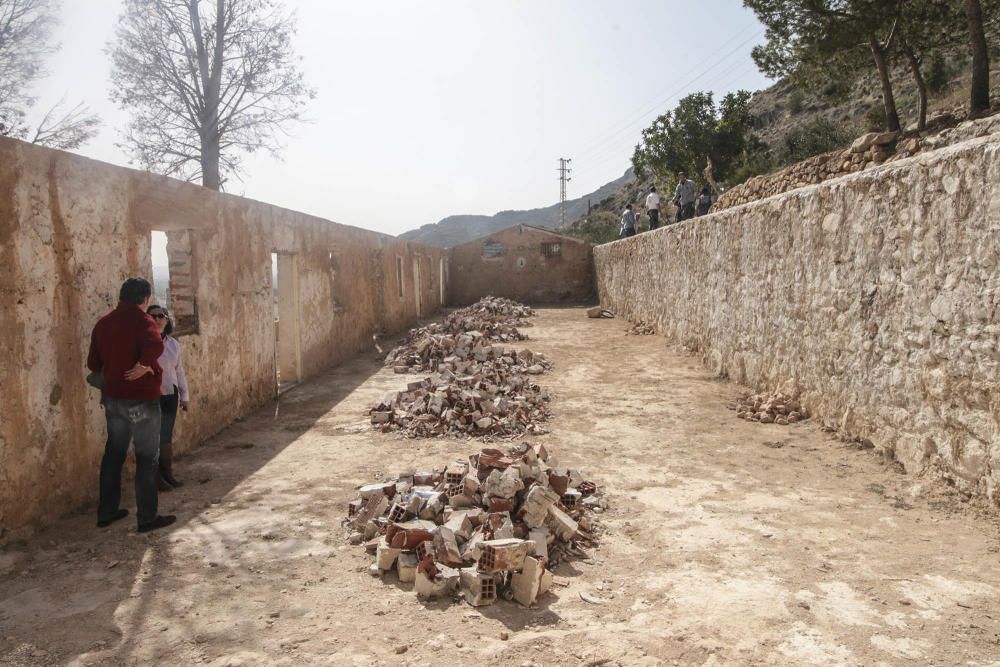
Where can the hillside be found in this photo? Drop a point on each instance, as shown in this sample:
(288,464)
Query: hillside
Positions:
(782,109)
(457,229)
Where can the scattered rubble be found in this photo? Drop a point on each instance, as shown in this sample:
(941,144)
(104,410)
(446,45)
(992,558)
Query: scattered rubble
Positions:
(640,329)
(480,386)
(495,398)
(464,335)
(769,409)
(489,527)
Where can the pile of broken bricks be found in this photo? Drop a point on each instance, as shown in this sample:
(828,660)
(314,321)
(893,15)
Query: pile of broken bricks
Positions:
(480,387)
(486,528)
(491,319)
(640,329)
(492,401)
(774,408)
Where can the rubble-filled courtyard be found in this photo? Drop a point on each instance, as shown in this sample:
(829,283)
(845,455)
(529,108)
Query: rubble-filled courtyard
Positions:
(723,541)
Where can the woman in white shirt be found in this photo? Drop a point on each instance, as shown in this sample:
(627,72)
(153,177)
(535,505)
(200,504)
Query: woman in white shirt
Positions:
(173,394)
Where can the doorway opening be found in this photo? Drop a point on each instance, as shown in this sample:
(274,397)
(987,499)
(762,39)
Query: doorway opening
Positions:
(287,334)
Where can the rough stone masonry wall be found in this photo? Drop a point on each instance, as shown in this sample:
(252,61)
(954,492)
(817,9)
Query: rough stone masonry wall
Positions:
(522,263)
(875,296)
(72,229)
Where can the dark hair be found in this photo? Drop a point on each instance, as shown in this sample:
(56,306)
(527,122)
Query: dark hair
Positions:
(169,329)
(135,290)
(653,189)
(682,173)
(628,205)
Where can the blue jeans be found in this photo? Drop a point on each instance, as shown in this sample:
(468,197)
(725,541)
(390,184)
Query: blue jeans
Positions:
(128,421)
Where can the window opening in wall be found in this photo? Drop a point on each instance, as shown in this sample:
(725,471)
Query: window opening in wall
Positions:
(174,278)
(399,276)
(551,249)
(335,287)
(492,248)
(443,279)
(416,285)
(287,337)
(161,269)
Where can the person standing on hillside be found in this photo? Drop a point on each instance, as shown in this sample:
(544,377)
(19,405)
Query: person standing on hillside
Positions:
(628,223)
(125,347)
(705,201)
(684,196)
(653,208)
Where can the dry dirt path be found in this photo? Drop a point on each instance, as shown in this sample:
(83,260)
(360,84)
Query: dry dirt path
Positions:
(726,542)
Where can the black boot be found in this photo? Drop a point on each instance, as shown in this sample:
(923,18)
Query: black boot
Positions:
(167,465)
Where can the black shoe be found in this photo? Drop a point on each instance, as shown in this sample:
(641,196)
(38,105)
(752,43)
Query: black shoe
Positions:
(161,521)
(163,485)
(104,523)
(173,481)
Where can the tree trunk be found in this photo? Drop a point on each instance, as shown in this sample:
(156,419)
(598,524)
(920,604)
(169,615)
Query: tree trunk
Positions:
(888,99)
(979,101)
(918,78)
(210,175)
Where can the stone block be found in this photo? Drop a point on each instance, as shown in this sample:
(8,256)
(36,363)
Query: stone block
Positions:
(561,524)
(385,556)
(406,567)
(527,584)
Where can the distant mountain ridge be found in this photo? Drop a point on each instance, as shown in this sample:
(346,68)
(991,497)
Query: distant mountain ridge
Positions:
(457,229)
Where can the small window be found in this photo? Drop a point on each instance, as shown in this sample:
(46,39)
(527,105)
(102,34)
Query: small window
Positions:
(399,276)
(492,248)
(551,250)
(174,282)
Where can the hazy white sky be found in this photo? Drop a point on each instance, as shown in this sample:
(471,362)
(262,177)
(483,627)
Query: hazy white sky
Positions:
(438,107)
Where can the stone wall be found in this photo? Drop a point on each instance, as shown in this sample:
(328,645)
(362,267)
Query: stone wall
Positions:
(72,229)
(524,263)
(875,297)
(867,151)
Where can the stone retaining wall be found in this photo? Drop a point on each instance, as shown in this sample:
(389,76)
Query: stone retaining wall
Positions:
(874,297)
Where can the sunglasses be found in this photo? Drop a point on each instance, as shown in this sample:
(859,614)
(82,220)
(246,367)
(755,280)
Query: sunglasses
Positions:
(158,316)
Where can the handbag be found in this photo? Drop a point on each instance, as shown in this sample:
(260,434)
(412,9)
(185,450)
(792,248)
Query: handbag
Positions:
(96,379)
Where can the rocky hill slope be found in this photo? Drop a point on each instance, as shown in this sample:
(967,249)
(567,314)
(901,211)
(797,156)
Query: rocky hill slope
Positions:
(457,229)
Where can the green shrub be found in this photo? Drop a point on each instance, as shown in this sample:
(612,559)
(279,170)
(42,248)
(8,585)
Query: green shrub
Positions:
(938,74)
(874,120)
(818,136)
(796,101)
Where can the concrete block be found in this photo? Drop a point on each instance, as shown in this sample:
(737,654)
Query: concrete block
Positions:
(385,556)
(446,548)
(527,584)
(439,586)
(540,536)
(406,567)
(560,523)
(536,505)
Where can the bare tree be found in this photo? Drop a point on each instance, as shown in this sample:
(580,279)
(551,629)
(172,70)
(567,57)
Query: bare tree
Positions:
(64,129)
(25,32)
(206,81)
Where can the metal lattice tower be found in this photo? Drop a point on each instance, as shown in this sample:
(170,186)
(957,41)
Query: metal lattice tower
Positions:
(564,172)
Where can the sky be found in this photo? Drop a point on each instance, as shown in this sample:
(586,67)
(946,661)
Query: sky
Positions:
(441,107)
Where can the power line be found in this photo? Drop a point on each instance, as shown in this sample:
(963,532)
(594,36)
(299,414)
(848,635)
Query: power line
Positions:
(659,105)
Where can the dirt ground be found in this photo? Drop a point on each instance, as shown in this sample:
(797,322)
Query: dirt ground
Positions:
(726,542)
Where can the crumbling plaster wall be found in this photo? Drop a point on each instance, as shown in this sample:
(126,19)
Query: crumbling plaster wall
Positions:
(875,295)
(71,229)
(515,267)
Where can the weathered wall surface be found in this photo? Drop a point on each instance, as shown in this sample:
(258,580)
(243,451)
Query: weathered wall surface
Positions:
(522,263)
(875,295)
(72,229)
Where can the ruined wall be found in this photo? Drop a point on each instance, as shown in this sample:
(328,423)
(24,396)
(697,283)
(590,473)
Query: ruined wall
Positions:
(72,229)
(876,296)
(523,263)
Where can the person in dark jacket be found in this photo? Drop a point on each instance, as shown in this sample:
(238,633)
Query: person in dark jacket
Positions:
(125,347)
